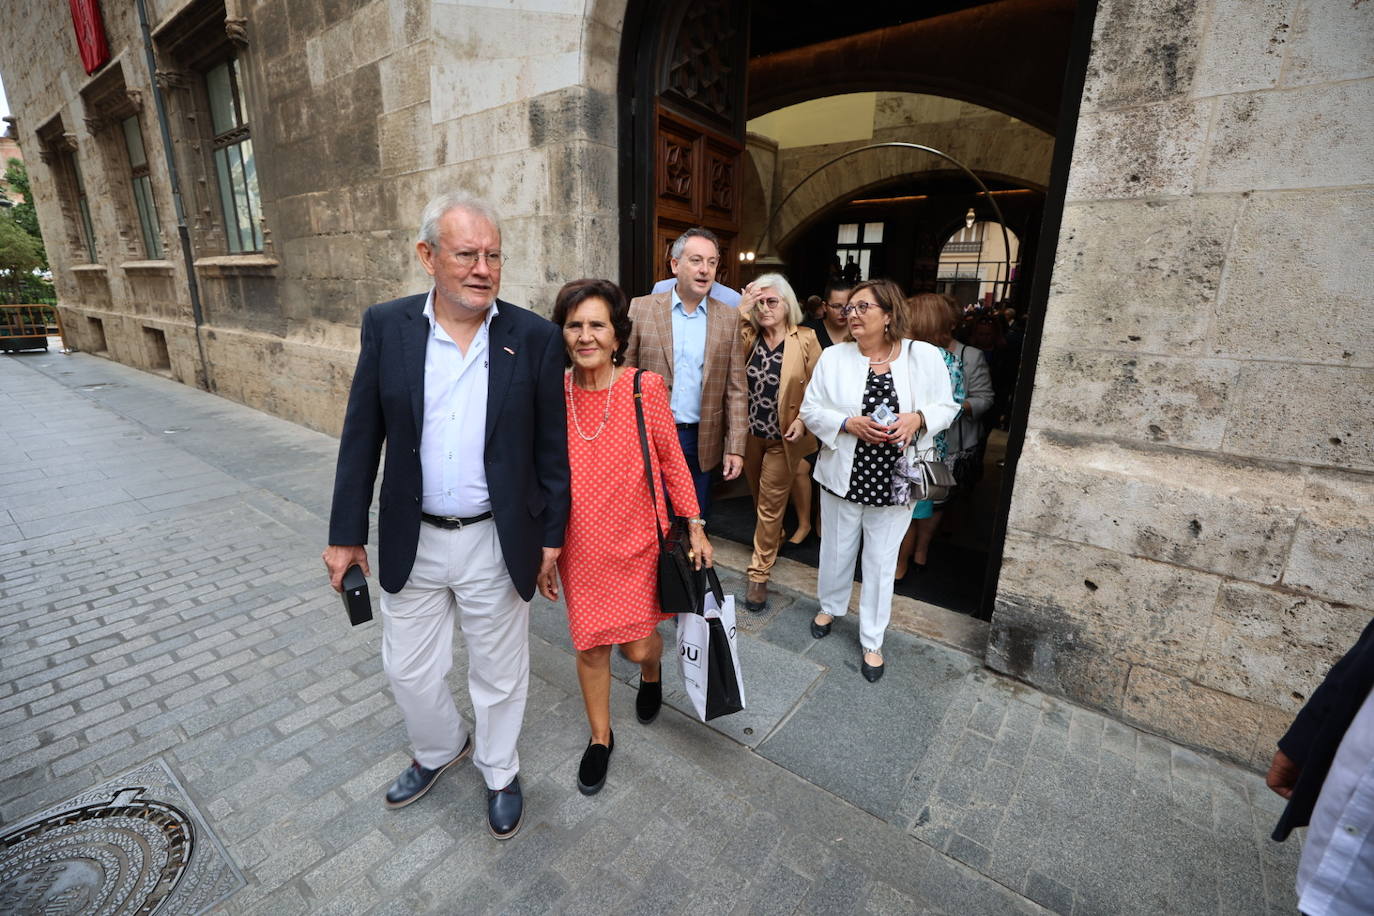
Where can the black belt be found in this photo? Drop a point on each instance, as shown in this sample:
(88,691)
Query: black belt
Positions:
(687,425)
(451,522)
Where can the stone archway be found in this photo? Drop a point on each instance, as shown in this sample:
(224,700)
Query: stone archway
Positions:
(989,143)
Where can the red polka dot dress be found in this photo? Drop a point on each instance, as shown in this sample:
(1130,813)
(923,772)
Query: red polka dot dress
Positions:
(609,563)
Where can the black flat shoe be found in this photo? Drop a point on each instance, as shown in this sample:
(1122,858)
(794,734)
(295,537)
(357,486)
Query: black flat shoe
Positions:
(649,700)
(820,630)
(505,810)
(596,760)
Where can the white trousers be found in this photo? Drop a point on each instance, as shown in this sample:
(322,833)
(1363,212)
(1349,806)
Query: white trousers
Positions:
(460,572)
(882,529)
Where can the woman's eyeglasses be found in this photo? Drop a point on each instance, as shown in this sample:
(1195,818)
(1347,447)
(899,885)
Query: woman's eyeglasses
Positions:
(860,307)
(767,304)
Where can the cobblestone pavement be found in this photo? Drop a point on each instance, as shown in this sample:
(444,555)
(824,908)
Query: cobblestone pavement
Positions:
(161,596)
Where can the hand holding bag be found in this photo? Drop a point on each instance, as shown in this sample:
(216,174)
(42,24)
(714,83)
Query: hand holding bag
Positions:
(708,652)
(678,590)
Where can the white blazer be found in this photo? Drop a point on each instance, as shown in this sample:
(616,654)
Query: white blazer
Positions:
(836,392)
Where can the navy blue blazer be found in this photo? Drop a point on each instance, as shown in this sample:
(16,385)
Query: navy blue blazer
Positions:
(1312,740)
(526,445)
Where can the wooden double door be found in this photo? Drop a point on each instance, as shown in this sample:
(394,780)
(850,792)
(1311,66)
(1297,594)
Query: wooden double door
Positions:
(682,145)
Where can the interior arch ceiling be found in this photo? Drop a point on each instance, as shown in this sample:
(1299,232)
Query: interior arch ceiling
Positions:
(1007,55)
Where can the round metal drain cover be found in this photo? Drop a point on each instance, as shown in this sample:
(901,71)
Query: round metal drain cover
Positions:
(124,855)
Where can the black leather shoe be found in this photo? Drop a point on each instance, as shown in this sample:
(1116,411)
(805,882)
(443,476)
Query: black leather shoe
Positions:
(871,673)
(505,810)
(596,760)
(820,630)
(649,700)
(415,781)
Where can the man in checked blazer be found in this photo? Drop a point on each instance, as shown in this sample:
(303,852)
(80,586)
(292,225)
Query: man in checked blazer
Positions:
(693,341)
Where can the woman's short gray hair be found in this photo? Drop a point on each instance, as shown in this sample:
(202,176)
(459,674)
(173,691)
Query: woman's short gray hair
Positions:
(778,282)
(440,205)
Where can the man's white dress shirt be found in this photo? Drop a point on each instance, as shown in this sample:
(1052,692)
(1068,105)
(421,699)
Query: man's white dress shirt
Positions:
(1336,872)
(689,359)
(453,439)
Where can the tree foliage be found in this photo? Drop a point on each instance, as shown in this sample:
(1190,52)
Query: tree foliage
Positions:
(20,253)
(21,214)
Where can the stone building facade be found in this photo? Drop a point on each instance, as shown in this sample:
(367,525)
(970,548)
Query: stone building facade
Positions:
(1191,522)
(1191,541)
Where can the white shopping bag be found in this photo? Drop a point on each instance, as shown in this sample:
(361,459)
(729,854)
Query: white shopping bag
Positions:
(708,655)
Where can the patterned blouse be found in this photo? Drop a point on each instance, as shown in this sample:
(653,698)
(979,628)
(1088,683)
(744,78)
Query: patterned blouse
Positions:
(764,375)
(870,483)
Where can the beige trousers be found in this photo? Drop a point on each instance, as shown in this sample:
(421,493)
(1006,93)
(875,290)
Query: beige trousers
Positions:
(770,482)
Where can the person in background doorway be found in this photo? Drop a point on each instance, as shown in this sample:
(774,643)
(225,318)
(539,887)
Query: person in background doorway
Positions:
(831,328)
(692,340)
(815,309)
(934,317)
(781,357)
(878,372)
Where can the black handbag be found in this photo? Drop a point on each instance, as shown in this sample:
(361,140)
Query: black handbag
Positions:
(678,589)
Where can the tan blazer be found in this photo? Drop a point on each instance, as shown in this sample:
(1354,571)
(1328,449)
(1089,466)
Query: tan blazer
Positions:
(724,410)
(800,353)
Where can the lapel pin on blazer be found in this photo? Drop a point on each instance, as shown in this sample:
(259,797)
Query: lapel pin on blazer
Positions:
(509,350)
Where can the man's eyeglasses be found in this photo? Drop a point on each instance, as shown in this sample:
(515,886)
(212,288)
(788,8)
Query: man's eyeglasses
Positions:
(860,307)
(494,259)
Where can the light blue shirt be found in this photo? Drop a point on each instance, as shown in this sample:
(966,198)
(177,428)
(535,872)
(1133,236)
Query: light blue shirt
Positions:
(718,292)
(453,438)
(689,359)
(1336,871)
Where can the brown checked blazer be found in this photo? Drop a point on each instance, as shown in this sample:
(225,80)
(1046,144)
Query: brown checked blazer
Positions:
(724,409)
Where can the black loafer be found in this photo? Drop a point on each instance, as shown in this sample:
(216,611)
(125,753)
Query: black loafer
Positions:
(505,810)
(820,630)
(415,780)
(596,760)
(649,700)
(871,673)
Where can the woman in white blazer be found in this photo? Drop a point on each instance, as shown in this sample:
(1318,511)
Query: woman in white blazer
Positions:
(852,381)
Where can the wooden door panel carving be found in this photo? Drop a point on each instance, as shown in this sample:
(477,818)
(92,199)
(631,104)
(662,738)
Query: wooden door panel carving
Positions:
(685,94)
(696,185)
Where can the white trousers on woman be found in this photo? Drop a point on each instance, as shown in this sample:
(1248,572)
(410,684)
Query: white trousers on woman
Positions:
(882,528)
(461,573)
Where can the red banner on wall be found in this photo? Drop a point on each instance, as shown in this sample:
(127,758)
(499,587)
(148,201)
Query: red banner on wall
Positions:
(90,34)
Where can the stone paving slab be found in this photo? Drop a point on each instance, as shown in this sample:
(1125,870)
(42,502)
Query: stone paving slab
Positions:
(186,619)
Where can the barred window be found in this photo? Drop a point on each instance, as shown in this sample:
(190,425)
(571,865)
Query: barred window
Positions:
(143,188)
(233,153)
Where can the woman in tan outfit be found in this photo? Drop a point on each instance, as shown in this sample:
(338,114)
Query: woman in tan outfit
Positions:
(780,356)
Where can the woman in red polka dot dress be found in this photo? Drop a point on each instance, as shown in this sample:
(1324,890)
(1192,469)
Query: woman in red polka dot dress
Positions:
(609,562)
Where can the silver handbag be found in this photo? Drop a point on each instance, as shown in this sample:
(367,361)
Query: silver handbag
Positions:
(921,479)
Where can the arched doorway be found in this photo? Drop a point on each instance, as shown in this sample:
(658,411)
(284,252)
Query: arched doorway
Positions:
(677,150)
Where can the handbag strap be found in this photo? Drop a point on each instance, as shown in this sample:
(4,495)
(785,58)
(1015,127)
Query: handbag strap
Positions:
(648,465)
(707,576)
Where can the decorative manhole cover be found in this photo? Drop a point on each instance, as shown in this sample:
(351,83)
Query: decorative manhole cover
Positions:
(133,845)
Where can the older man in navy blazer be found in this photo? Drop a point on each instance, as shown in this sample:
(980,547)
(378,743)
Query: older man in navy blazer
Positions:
(466,391)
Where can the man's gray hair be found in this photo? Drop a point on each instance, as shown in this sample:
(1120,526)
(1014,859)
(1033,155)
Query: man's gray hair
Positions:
(694,232)
(440,205)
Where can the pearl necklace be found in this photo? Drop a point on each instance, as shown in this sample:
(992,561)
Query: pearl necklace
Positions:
(605,413)
(887,359)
